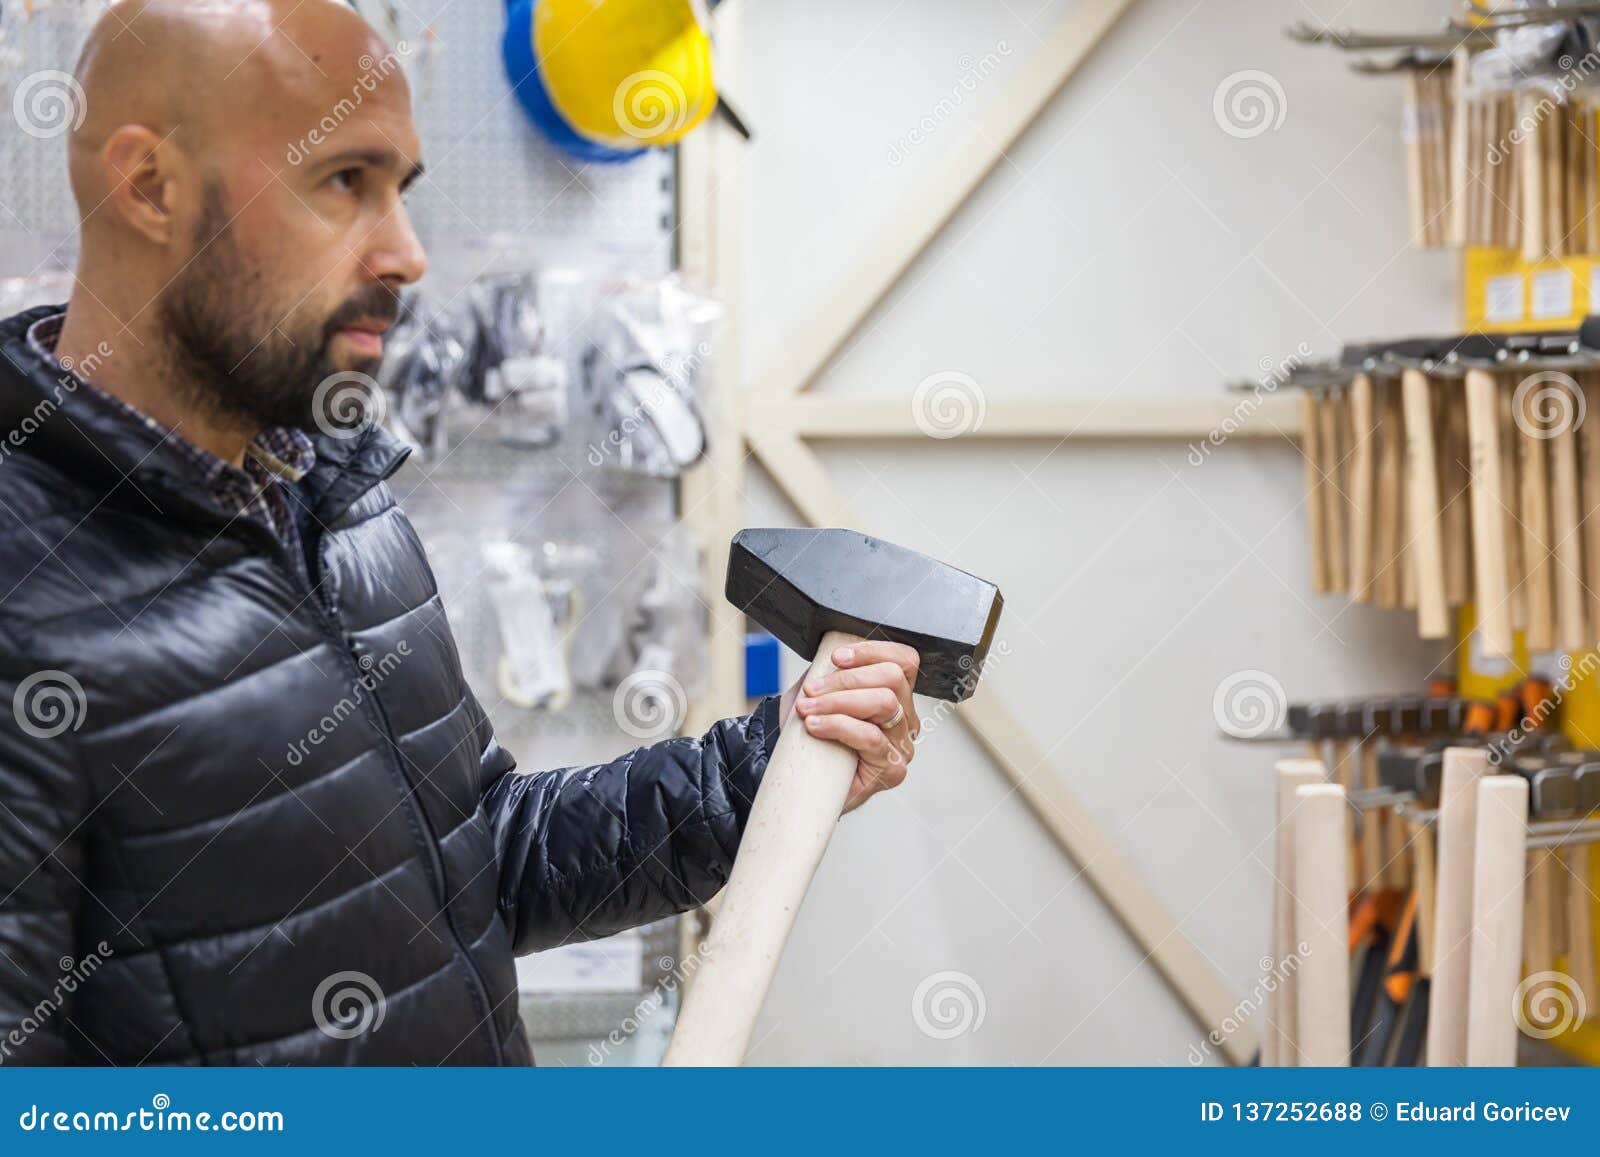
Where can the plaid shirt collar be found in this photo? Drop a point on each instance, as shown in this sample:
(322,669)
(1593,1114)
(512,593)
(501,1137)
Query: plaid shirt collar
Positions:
(276,456)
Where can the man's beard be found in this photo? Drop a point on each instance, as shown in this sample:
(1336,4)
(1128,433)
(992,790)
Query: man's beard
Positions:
(236,359)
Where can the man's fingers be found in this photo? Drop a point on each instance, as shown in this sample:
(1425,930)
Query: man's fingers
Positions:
(867,740)
(871,704)
(885,674)
(866,653)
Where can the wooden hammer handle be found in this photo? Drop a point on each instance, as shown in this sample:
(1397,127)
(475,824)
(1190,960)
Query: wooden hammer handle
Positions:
(1450,951)
(1422,490)
(1498,886)
(1322,989)
(793,818)
(1488,521)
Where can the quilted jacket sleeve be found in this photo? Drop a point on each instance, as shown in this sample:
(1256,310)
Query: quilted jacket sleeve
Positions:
(43,800)
(584,852)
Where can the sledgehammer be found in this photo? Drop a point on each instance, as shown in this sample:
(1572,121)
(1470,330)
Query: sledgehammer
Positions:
(816,590)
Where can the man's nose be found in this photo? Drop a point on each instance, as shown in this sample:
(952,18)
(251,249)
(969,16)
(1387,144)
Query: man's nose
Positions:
(394,253)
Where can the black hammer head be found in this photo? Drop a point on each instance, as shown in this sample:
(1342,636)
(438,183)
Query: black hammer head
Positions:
(800,584)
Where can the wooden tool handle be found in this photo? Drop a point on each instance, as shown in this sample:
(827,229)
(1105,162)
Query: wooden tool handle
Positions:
(1311,454)
(1422,491)
(1420,837)
(1488,521)
(1278,1042)
(1589,491)
(1389,544)
(1570,605)
(1542,881)
(1580,923)
(1533,490)
(1451,952)
(793,818)
(1497,899)
(1322,924)
(1363,477)
(1334,438)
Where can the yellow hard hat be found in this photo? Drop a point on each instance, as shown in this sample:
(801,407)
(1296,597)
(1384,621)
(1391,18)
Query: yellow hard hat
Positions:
(627,74)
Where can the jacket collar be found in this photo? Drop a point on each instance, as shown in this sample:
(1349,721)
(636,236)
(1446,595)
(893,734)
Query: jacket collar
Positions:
(46,415)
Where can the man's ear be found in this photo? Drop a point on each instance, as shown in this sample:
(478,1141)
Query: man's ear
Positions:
(146,179)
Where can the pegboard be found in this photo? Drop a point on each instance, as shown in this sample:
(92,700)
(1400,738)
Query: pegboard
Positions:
(489,169)
(37,215)
(495,192)
(490,172)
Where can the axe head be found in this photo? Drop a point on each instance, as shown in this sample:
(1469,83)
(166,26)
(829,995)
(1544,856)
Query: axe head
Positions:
(801,584)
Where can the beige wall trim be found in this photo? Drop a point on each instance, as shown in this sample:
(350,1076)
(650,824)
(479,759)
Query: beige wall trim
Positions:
(1043,73)
(773,424)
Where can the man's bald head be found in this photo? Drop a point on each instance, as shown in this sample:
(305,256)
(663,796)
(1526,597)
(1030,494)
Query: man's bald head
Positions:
(238,173)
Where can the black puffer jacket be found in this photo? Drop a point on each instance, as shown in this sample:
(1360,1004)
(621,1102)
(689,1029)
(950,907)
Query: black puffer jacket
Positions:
(264,800)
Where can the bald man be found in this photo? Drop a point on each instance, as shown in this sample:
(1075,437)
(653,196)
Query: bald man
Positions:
(250,811)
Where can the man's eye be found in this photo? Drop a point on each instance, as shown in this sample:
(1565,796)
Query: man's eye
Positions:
(345,179)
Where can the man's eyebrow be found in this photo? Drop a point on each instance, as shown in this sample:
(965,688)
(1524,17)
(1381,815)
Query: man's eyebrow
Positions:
(377,158)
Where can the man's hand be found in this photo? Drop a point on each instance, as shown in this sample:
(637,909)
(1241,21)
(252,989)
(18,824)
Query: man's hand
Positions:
(853,705)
